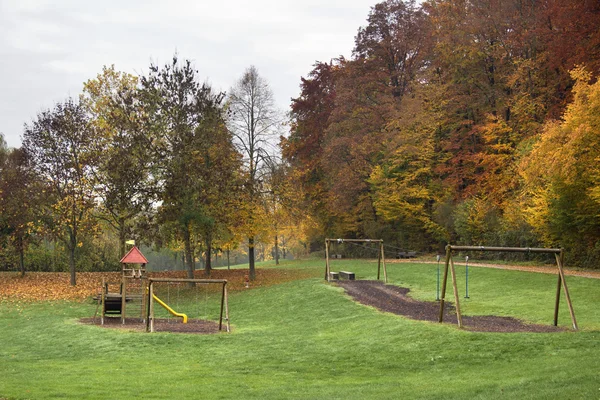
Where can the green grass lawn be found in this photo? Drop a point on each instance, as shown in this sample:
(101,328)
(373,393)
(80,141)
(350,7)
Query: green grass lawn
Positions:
(307,339)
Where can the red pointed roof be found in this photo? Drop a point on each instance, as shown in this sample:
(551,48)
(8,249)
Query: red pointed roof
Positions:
(134,256)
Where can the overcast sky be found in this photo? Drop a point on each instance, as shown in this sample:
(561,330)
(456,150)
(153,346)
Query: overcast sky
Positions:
(49,48)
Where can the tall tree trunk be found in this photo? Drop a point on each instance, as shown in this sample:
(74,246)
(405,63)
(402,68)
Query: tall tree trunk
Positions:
(189,254)
(251,258)
(121,237)
(208,263)
(276,250)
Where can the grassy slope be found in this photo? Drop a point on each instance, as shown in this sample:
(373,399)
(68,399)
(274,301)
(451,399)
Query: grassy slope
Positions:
(306,339)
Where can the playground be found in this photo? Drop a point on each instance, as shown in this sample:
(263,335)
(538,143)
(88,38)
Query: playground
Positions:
(295,335)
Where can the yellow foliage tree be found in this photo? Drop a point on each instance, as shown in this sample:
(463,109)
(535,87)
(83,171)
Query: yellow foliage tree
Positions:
(562,174)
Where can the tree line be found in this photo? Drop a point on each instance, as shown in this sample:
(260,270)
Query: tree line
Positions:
(161,158)
(466,121)
(472,122)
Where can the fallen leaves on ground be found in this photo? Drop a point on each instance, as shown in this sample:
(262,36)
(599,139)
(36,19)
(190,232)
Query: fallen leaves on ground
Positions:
(44,286)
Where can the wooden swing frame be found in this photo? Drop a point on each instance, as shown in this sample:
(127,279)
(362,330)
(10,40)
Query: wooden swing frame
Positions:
(224,299)
(558,254)
(380,260)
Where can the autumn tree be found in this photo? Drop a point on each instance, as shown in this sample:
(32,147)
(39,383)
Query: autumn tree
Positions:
(561,195)
(303,148)
(254,122)
(123,174)
(58,142)
(21,197)
(393,44)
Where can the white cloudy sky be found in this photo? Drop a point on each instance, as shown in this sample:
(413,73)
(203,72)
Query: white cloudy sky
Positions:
(48,48)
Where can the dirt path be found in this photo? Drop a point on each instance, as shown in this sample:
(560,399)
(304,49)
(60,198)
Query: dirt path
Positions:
(394,299)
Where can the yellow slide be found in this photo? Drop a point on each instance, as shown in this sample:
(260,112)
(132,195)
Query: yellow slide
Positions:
(169,309)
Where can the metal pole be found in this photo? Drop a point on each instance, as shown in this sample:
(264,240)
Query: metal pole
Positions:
(467,277)
(437,291)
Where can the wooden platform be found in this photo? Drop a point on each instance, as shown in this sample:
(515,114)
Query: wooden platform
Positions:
(112,301)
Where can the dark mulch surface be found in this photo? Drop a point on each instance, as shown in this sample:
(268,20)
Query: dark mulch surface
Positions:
(394,299)
(160,325)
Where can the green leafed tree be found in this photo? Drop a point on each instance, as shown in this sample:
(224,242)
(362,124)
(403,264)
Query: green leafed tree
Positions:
(58,142)
(196,162)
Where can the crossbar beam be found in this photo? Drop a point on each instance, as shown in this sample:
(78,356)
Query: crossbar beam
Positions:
(505,249)
(355,240)
(187,280)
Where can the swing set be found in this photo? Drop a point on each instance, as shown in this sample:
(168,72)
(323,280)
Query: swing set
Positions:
(558,255)
(152,298)
(357,242)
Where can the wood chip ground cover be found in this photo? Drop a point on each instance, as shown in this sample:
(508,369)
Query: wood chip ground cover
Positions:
(395,299)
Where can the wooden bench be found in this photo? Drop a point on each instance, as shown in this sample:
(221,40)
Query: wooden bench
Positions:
(334,276)
(407,254)
(347,275)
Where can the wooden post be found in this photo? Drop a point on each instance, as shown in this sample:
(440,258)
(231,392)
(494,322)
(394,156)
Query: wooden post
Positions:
(557,302)
(457,305)
(151,299)
(123,294)
(148,303)
(327,268)
(227,308)
(443,296)
(103,302)
(379,263)
(384,267)
(222,304)
(559,261)
(143,296)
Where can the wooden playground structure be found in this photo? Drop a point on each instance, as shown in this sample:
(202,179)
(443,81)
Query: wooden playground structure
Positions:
(558,255)
(136,295)
(132,285)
